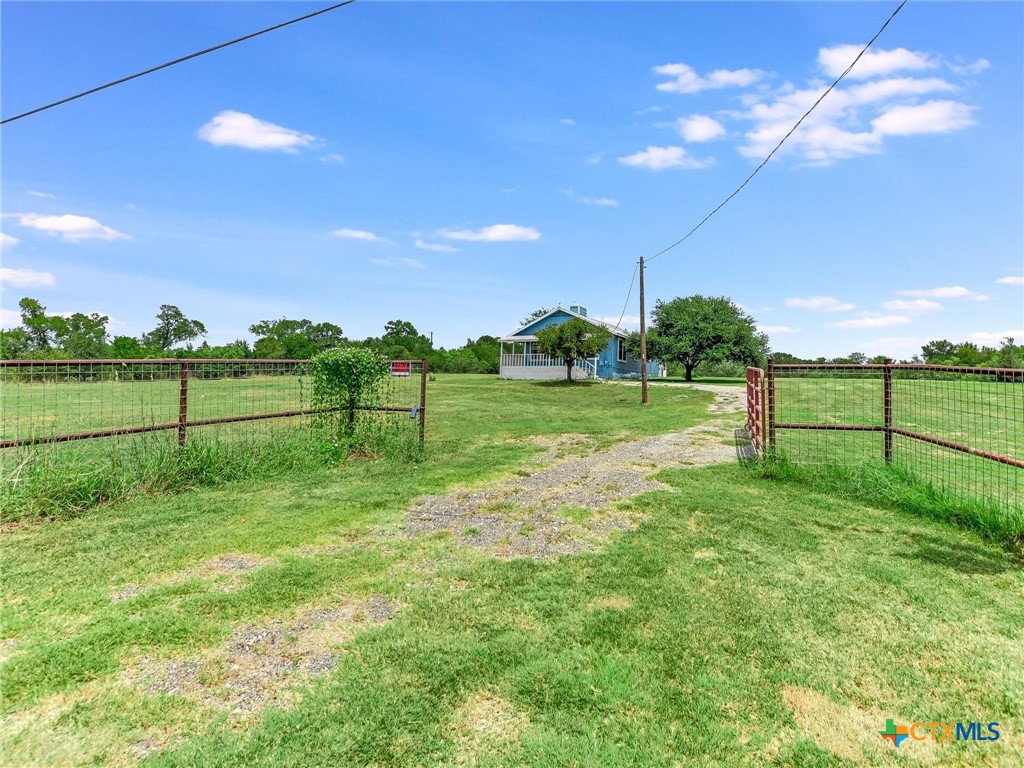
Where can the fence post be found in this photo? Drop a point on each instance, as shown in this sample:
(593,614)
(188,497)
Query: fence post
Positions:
(887,408)
(183,404)
(771,404)
(423,399)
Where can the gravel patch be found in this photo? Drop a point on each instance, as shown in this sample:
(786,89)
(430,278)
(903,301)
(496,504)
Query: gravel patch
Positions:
(260,666)
(569,506)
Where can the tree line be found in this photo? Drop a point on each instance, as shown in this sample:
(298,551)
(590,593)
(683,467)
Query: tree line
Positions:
(80,336)
(709,332)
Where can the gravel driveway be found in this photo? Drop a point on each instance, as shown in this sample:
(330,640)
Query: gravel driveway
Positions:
(570,506)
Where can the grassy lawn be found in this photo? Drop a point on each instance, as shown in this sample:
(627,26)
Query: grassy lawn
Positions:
(745,622)
(984,415)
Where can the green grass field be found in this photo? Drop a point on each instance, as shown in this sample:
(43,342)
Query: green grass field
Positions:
(988,416)
(745,622)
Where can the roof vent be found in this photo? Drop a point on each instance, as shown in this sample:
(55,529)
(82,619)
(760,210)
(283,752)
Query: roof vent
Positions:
(578,309)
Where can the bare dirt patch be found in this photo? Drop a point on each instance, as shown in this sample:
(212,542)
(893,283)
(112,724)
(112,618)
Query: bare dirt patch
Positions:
(483,722)
(261,666)
(610,603)
(570,506)
(225,571)
(849,731)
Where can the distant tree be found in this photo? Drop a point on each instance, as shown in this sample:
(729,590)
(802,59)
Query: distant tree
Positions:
(938,352)
(487,351)
(784,358)
(1010,355)
(14,343)
(402,340)
(698,329)
(40,327)
(572,340)
(83,336)
(126,348)
(294,339)
(535,315)
(172,328)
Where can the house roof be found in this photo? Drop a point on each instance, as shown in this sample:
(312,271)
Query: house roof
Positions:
(518,335)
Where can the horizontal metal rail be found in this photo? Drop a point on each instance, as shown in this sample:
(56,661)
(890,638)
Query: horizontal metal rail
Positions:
(1010,460)
(964,369)
(165,361)
(190,423)
(834,427)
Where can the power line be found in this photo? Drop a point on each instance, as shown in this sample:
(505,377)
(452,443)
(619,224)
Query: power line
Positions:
(630,293)
(176,61)
(779,145)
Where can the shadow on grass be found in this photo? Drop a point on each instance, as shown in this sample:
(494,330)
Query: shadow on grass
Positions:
(960,556)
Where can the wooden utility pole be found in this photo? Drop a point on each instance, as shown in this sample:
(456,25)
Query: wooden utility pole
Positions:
(643,338)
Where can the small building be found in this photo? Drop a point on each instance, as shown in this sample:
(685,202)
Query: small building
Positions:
(521,359)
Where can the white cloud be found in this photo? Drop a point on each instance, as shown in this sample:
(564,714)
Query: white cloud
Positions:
(25,278)
(686,79)
(334,157)
(7,241)
(1011,280)
(237,129)
(871,320)
(358,234)
(406,261)
(567,121)
(660,158)
(855,119)
(383,262)
(496,233)
(974,68)
(583,199)
(9,318)
(72,228)
(995,338)
(699,128)
(594,158)
(950,292)
(917,305)
(776,329)
(930,117)
(439,247)
(43,195)
(819,304)
(835,60)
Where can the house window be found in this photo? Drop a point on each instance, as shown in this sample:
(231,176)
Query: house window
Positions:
(622,350)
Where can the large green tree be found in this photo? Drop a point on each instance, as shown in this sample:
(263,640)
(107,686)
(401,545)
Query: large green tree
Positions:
(572,340)
(83,336)
(294,339)
(40,327)
(698,329)
(172,328)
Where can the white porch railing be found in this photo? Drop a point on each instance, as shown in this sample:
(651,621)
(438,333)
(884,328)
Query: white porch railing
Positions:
(582,368)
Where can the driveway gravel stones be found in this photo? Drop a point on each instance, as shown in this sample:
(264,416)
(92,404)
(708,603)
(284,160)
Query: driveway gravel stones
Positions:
(260,666)
(571,505)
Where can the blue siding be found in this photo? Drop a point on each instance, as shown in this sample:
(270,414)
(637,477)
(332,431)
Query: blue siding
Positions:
(608,364)
(555,319)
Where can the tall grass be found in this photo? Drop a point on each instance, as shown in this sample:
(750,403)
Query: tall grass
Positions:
(896,487)
(65,479)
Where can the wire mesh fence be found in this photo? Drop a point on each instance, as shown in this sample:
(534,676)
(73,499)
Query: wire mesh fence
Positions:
(72,420)
(960,429)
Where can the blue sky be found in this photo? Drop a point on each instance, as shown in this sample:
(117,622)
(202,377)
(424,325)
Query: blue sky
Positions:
(460,164)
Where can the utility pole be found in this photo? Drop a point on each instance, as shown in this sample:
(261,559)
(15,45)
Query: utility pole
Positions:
(643,338)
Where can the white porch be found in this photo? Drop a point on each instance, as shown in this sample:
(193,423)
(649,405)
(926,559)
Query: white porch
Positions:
(536,367)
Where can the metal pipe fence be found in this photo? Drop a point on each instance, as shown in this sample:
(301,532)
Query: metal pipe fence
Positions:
(57,401)
(959,428)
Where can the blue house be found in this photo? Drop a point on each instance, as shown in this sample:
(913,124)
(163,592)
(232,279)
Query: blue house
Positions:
(521,359)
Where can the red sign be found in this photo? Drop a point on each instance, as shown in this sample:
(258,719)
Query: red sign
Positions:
(403,368)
